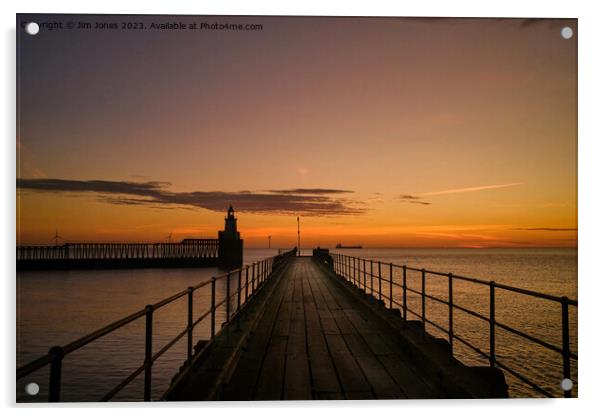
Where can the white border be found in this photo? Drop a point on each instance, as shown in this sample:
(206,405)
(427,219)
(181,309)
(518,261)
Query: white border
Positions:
(590,206)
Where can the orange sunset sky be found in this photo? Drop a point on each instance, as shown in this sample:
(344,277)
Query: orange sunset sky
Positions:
(383,132)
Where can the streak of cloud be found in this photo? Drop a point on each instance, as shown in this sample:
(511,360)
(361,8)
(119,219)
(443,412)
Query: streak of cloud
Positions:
(471,189)
(544,229)
(412,199)
(310,191)
(309,202)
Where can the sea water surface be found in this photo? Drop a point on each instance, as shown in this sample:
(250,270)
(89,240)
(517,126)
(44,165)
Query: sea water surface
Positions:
(57,307)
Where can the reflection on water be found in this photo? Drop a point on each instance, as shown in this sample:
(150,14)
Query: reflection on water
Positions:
(54,308)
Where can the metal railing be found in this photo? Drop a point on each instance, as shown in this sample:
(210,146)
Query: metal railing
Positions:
(254,276)
(366,273)
(188,248)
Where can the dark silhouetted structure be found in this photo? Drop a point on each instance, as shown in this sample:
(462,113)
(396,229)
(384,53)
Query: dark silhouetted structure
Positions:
(230,244)
(225,251)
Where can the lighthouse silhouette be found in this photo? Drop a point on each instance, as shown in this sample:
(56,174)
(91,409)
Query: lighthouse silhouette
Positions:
(230,243)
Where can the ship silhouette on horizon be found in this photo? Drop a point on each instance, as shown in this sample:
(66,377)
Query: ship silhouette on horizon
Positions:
(339,245)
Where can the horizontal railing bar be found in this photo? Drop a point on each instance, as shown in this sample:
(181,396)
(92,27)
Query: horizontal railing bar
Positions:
(200,318)
(532,339)
(436,299)
(425,270)
(202,284)
(417,292)
(169,345)
(473,313)
(524,379)
(485,355)
(414,313)
(185,371)
(121,385)
(102,332)
(535,294)
(484,318)
(571,302)
(33,366)
(435,325)
(501,365)
(217,305)
(83,341)
(46,359)
(170,299)
(468,344)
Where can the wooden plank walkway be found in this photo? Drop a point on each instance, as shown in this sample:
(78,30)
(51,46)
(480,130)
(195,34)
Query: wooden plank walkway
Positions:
(316,341)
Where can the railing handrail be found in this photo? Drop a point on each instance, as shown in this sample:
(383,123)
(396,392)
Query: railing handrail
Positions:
(186,249)
(117,243)
(498,285)
(351,272)
(263,271)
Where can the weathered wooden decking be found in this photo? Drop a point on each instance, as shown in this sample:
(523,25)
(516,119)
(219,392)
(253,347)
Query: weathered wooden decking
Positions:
(314,340)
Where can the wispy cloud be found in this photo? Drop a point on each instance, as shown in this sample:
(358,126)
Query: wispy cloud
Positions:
(309,191)
(544,229)
(313,201)
(471,189)
(412,199)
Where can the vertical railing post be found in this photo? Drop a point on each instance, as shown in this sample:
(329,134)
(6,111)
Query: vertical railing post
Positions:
(492,324)
(246,284)
(405,294)
(566,348)
(450,312)
(190,298)
(335,257)
(258,275)
(354,271)
(253,281)
(371,277)
(228,297)
(213,279)
(364,263)
(148,354)
(54,388)
(239,289)
(347,272)
(379,282)
(390,285)
(423,296)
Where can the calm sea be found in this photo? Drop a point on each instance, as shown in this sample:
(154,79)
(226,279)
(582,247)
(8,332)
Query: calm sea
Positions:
(54,308)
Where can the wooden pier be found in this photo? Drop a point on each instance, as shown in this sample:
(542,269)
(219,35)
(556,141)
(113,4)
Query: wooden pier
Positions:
(310,335)
(328,326)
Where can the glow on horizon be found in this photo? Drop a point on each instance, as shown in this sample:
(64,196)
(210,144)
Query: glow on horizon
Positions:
(402,143)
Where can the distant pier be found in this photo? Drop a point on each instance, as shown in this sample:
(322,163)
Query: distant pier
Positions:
(225,251)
